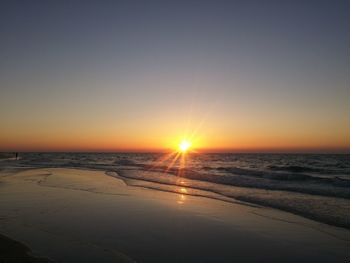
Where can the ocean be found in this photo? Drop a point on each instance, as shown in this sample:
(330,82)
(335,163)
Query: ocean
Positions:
(316,186)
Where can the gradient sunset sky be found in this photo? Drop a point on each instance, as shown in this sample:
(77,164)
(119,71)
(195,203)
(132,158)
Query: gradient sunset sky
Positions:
(140,75)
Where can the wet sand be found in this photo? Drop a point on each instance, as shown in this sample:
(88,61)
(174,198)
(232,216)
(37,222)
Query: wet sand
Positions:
(12,251)
(72,215)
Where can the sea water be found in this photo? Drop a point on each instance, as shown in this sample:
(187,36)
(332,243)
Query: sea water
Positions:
(316,186)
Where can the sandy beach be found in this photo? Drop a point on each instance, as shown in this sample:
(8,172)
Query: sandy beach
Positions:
(71,215)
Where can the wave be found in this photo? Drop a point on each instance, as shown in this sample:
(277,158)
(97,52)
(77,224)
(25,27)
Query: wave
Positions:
(285,176)
(329,210)
(278,181)
(265,174)
(336,187)
(235,176)
(327,169)
(297,169)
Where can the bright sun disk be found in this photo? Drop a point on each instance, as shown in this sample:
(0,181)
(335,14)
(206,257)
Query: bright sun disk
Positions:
(184,146)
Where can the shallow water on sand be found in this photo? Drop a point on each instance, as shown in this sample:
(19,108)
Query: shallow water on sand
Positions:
(316,186)
(73,215)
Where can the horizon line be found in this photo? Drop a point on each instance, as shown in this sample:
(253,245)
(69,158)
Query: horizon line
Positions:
(196,151)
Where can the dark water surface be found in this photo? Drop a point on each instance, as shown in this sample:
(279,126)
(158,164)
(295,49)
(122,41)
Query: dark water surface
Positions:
(316,186)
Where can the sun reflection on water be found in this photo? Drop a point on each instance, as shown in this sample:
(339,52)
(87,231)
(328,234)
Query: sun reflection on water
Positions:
(182,199)
(183,190)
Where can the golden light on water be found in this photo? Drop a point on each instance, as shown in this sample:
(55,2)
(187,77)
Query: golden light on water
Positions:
(183,190)
(175,161)
(181,200)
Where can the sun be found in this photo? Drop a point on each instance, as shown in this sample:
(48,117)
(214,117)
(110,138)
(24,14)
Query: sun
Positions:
(184,146)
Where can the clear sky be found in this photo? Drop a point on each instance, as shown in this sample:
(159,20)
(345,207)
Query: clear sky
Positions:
(140,75)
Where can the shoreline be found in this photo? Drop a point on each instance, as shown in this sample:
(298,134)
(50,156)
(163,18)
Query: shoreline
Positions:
(249,195)
(68,213)
(230,196)
(229,192)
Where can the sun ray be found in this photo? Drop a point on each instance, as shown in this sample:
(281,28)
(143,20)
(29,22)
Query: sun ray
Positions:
(173,162)
(163,159)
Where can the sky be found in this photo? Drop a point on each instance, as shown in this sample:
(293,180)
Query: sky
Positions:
(141,75)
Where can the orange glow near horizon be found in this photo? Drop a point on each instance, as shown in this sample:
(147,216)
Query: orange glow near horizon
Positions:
(239,143)
(168,136)
(175,161)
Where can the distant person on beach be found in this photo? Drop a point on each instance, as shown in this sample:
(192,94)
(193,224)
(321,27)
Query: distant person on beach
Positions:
(16,155)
